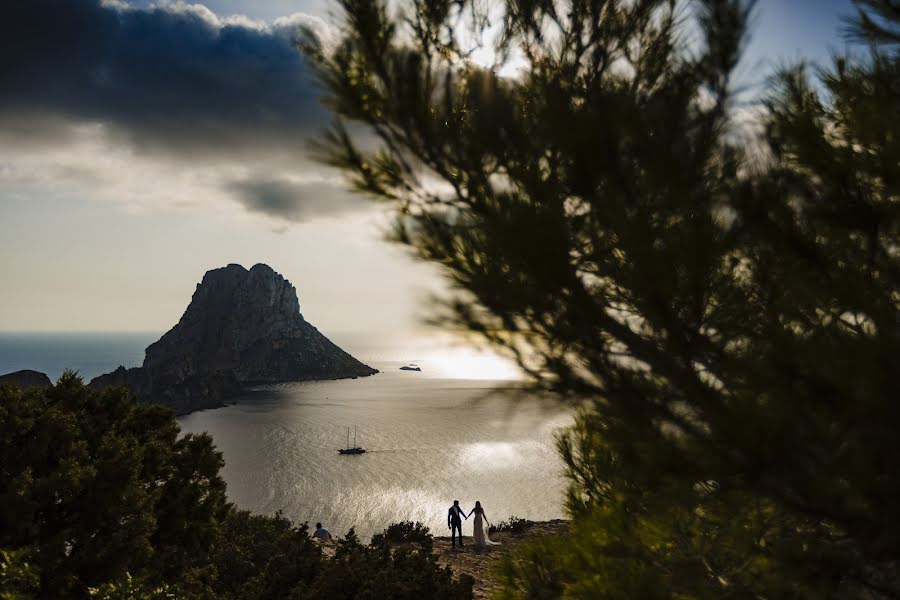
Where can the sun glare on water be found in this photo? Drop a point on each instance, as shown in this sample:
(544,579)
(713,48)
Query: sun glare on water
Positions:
(465,363)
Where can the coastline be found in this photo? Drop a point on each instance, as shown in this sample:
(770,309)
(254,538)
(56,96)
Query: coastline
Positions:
(26,378)
(253,387)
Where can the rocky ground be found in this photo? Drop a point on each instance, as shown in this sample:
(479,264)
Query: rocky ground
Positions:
(479,563)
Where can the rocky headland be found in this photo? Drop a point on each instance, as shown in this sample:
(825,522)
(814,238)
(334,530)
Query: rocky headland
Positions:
(26,378)
(242,328)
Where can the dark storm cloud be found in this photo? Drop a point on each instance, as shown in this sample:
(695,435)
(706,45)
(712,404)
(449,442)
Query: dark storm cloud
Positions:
(174,77)
(291,201)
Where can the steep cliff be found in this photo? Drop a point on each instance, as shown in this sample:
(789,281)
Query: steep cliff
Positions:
(241,328)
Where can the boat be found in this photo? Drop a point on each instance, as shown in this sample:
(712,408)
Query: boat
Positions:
(354,449)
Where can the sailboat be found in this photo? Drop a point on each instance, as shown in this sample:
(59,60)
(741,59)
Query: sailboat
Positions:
(354,449)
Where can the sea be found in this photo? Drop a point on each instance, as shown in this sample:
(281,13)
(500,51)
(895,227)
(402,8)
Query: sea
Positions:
(431,436)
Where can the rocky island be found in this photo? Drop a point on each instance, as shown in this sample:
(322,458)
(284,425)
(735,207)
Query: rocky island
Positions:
(26,378)
(242,328)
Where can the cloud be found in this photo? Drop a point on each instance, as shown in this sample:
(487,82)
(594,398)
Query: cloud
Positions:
(167,108)
(174,77)
(295,201)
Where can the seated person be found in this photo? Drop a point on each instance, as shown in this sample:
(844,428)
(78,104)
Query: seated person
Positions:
(321,533)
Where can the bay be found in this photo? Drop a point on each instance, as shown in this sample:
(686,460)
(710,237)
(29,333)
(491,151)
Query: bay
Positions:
(429,438)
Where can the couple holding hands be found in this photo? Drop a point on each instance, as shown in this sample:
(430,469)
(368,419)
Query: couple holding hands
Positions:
(455,518)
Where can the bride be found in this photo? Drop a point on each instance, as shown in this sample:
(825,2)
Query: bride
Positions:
(480,535)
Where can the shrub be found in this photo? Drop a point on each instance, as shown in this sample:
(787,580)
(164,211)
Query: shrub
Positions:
(405,532)
(513,524)
(379,571)
(262,557)
(18,577)
(129,588)
(96,486)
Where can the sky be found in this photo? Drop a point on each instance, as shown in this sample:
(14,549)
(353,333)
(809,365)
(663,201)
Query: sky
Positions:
(144,143)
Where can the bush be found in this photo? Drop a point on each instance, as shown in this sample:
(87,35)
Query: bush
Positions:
(129,588)
(96,486)
(262,557)
(18,577)
(513,524)
(405,532)
(379,571)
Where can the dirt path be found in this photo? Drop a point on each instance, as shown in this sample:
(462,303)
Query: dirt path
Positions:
(479,562)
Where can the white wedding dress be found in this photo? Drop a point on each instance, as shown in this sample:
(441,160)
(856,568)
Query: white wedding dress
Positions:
(480,535)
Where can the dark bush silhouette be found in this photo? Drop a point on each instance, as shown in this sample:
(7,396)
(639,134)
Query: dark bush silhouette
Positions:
(95,486)
(380,571)
(512,524)
(405,532)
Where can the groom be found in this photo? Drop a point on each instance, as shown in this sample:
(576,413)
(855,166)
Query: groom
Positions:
(454,521)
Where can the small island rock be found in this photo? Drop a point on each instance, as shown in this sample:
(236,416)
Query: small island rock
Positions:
(26,378)
(242,327)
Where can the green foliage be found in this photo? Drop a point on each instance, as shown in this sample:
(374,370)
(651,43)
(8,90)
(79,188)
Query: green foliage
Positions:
(18,577)
(658,538)
(513,524)
(727,303)
(380,571)
(130,589)
(263,558)
(405,532)
(96,486)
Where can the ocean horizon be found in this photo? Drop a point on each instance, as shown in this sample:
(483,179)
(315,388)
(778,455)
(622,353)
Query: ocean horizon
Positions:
(88,353)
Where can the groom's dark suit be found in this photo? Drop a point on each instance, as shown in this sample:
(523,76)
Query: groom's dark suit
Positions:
(454,521)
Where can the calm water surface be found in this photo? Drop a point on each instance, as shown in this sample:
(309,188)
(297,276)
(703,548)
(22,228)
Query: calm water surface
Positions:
(90,354)
(429,439)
